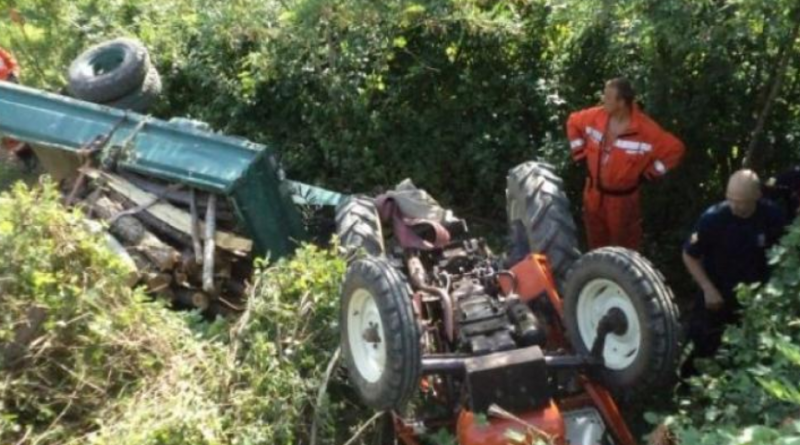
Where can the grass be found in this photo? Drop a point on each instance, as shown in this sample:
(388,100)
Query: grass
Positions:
(105,365)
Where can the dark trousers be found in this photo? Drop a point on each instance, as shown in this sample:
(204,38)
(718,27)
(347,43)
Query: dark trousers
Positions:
(705,331)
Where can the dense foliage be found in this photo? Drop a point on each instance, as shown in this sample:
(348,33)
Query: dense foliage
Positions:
(85,359)
(357,94)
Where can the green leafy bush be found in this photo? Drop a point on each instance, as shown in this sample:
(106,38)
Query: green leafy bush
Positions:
(282,346)
(358,94)
(74,335)
(85,359)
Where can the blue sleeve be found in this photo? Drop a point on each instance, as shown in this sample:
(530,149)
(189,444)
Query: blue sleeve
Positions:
(777,225)
(789,179)
(702,237)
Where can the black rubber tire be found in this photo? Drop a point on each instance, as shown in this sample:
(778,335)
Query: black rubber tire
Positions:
(132,64)
(658,356)
(401,375)
(143,97)
(539,218)
(359,227)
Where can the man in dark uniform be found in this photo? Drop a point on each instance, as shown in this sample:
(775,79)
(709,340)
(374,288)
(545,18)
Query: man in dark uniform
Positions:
(784,189)
(727,247)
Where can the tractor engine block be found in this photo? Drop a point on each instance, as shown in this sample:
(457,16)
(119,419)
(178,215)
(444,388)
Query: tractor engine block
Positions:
(487,324)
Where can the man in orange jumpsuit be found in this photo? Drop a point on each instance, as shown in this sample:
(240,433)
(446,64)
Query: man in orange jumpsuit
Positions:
(621,147)
(9,69)
(9,72)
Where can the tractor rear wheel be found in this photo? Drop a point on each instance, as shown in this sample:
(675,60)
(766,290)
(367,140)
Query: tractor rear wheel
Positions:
(359,227)
(380,335)
(644,354)
(539,217)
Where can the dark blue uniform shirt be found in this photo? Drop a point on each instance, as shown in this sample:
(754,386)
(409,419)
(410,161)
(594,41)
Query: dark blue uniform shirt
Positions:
(785,191)
(733,249)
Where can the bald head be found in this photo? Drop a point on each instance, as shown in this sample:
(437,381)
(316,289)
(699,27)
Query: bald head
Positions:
(743,193)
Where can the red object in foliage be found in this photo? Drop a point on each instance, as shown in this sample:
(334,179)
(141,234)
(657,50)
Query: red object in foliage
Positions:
(493,431)
(9,68)
(12,145)
(9,72)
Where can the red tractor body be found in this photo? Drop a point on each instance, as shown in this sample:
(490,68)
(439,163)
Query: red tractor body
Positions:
(574,420)
(451,337)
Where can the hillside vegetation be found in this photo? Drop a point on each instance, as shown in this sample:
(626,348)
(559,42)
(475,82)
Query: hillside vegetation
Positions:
(356,95)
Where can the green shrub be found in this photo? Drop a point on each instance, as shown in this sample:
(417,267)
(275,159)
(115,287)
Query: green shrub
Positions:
(750,393)
(108,366)
(75,337)
(283,345)
(358,94)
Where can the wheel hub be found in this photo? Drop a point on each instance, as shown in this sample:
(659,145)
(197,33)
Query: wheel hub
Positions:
(371,335)
(604,299)
(365,335)
(618,323)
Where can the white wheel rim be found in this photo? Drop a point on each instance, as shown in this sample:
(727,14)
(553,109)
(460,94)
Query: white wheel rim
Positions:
(366,336)
(595,300)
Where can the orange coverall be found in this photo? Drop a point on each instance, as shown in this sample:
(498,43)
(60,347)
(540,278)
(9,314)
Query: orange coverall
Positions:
(611,209)
(8,65)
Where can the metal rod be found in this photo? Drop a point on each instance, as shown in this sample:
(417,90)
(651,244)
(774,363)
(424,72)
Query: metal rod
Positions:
(457,363)
(569,361)
(442,365)
(418,276)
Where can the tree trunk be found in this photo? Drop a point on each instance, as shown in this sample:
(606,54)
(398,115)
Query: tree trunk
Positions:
(134,234)
(208,255)
(181,197)
(165,214)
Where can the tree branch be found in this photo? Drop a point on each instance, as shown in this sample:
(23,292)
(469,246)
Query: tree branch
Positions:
(753,158)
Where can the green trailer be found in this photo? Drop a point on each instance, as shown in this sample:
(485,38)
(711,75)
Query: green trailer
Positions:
(247,174)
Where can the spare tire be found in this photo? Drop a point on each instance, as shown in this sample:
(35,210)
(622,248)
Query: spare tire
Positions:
(380,336)
(539,218)
(141,98)
(645,354)
(109,71)
(358,226)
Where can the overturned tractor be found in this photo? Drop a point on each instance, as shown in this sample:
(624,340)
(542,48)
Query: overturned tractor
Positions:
(519,349)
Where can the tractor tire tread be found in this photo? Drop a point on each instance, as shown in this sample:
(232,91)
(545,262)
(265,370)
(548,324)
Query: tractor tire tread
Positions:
(660,320)
(538,207)
(403,361)
(358,227)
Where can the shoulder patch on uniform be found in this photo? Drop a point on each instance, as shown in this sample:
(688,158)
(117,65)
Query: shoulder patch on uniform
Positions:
(694,239)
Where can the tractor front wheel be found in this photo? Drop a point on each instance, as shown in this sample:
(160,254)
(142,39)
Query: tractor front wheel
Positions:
(643,351)
(380,335)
